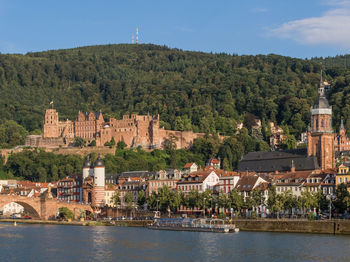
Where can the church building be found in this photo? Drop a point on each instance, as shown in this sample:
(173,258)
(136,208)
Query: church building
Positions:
(320,151)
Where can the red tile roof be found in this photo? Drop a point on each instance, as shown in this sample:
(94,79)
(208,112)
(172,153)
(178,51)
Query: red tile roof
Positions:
(188,165)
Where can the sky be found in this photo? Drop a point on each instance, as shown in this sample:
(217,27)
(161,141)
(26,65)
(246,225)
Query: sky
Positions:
(296,28)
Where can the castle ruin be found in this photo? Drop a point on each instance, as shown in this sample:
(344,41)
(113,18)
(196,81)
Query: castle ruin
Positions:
(135,130)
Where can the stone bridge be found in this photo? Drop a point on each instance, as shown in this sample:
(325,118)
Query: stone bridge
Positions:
(44,207)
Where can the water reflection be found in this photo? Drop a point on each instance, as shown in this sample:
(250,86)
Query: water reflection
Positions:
(73,243)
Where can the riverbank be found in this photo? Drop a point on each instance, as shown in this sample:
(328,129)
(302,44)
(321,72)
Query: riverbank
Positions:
(336,227)
(122,223)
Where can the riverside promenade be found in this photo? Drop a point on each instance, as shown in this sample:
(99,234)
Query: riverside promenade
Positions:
(334,226)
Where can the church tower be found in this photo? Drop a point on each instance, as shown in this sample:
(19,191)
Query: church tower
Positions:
(320,136)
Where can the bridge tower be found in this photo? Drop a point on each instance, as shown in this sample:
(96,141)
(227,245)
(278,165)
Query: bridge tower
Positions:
(99,182)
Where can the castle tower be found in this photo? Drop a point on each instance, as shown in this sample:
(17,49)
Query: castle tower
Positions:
(87,168)
(51,127)
(99,181)
(320,135)
(342,131)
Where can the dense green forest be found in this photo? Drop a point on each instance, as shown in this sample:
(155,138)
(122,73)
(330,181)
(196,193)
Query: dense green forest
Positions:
(194,91)
(190,90)
(38,165)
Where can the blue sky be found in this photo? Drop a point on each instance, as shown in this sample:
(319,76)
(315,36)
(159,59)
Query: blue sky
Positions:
(296,28)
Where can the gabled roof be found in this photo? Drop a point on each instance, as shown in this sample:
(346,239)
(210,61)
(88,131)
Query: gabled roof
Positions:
(246,183)
(135,174)
(214,161)
(188,165)
(202,175)
(277,161)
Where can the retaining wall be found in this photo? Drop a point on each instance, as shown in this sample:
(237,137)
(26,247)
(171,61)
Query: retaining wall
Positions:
(300,226)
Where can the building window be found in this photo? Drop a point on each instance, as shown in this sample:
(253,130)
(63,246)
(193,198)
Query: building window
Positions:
(340,180)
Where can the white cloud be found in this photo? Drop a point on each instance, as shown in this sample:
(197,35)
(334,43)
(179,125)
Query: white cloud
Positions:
(332,28)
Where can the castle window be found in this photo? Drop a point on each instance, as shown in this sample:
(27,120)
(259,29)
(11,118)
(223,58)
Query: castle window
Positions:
(322,123)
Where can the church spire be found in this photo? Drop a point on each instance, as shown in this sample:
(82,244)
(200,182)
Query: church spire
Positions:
(321,88)
(341,124)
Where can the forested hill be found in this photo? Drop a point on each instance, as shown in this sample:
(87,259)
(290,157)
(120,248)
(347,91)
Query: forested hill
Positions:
(190,90)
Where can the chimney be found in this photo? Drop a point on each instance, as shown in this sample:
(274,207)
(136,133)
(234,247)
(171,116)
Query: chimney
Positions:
(292,169)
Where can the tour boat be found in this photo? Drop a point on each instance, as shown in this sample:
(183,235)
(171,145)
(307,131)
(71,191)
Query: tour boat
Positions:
(196,225)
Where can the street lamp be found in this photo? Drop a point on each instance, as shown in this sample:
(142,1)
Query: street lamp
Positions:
(117,209)
(330,198)
(204,207)
(157,204)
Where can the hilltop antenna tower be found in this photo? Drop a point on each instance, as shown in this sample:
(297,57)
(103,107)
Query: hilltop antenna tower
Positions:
(137,35)
(132,39)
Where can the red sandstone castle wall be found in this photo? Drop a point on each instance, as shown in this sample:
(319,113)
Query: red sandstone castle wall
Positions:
(184,138)
(134,130)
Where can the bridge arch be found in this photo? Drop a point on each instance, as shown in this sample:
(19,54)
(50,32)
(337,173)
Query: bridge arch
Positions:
(31,210)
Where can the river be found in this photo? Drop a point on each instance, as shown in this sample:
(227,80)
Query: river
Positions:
(76,243)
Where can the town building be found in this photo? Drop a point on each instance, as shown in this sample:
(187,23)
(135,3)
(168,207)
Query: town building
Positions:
(11,208)
(342,142)
(277,135)
(70,188)
(213,162)
(201,181)
(87,187)
(110,191)
(305,181)
(343,175)
(227,180)
(162,178)
(190,168)
(133,187)
(247,183)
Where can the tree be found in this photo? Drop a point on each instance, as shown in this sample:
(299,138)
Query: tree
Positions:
(79,142)
(141,199)
(93,143)
(274,201)
(236,200)
(307,200)
(116,198)
(193,199)
(42,174)
(169,144)
(12,134)
(65,213)
(128,199)
(257,198)
(289,201)
(223,200)
(111,143)
(121,145)
(342,195)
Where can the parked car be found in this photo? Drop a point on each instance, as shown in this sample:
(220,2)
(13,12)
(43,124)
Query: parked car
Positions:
(27,217)
(14,216)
